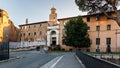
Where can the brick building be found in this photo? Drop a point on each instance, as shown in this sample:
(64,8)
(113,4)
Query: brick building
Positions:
(103,31)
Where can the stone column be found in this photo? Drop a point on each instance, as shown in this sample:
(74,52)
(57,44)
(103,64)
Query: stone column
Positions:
(57,37)
(48,38)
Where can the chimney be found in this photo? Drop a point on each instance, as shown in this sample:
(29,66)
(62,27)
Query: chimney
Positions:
(26,20)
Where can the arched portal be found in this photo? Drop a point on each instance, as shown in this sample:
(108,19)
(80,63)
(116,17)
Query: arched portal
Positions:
(52,37)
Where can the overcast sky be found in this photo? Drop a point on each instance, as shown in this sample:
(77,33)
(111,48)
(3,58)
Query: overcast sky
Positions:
(38,10)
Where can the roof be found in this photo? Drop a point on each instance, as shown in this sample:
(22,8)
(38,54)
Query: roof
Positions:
(53,8)
(83,16)
(61,19)
(33,23)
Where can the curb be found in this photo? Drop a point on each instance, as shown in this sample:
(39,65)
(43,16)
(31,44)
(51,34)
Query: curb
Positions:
(10,59)
(83,66)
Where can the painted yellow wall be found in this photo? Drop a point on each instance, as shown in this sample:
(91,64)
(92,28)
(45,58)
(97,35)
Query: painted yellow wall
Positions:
(104,33)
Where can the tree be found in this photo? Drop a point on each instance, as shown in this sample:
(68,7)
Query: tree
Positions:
(76,33)
(100,6)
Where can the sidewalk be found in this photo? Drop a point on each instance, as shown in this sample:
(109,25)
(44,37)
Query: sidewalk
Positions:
(68,60)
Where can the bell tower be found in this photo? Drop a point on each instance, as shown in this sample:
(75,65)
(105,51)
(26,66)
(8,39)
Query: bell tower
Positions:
(53,29)
(53,17)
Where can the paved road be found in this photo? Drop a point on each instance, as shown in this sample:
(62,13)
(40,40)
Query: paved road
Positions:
(28,60)
(68,61)
(36,59)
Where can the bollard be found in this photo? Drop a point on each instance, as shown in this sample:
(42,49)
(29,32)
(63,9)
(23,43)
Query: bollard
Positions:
(112,56)
(100,55)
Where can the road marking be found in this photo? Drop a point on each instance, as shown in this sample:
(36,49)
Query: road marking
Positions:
(80,61)
(56,62)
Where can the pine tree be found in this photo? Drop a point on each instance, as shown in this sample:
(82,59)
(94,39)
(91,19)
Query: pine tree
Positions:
(76,33)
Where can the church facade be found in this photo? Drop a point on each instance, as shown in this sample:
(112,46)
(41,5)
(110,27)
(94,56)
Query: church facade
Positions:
(103,32)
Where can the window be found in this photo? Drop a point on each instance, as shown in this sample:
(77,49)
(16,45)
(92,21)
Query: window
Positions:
(53,38)
(97,28)
(97,41)
(108,40)
(0,15)
(88,28)
(22,27)
(20,35)
(108,27)
(40,32)
(97,17)
(63,42)
(24,34)
(40,25)
(34,33)
(64,23)
(53,33)
(63,31)
(25,27)
(28,34)
(34,26)
(88,19)
(29,26)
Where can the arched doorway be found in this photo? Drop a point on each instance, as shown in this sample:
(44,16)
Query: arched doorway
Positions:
(52,36)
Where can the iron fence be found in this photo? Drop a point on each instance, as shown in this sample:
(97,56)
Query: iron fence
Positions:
(4,50)
(92,62)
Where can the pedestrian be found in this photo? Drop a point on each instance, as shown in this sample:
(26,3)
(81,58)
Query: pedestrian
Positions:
(46,49)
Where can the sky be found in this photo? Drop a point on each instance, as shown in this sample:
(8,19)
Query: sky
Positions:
(38,10)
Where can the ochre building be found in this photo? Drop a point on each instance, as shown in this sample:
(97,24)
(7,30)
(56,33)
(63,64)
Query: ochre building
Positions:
(103,32)
(8,32)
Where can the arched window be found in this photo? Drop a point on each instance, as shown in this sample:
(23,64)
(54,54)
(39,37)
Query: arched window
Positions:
(53,33)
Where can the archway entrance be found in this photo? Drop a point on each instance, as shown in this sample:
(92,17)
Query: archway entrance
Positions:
(53,38)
